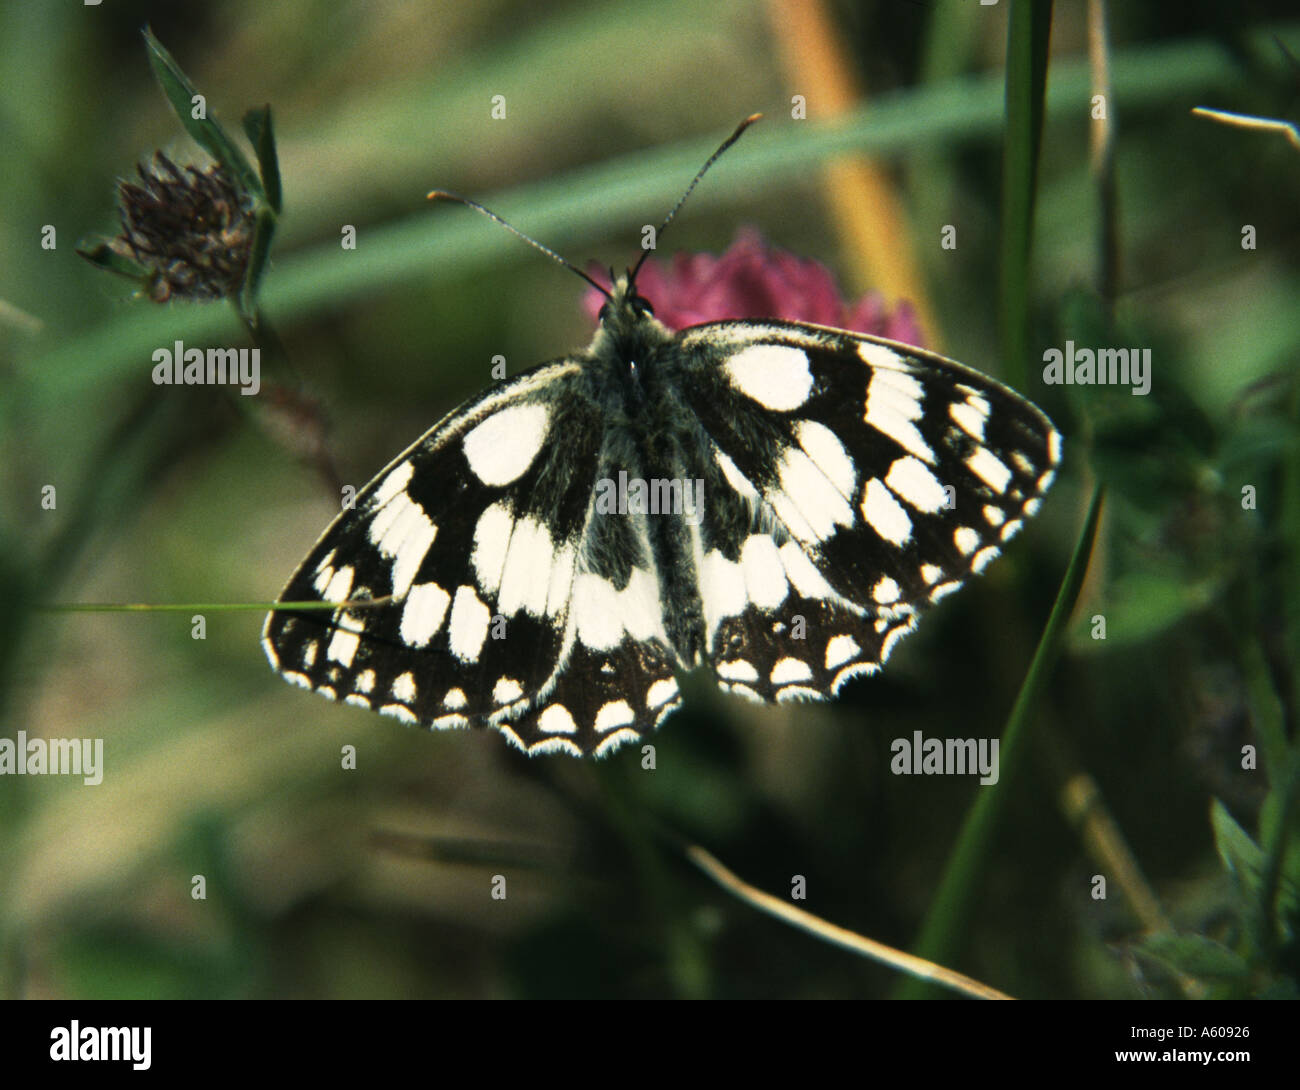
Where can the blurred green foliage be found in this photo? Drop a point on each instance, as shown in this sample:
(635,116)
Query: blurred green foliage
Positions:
(375,882)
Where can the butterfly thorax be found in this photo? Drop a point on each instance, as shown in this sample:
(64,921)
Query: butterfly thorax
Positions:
(634,367)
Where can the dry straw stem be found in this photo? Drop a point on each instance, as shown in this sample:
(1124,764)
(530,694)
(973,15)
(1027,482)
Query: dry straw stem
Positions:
(1081,802)
(1103,152)
(862,199)
(1247,121)
(839,936)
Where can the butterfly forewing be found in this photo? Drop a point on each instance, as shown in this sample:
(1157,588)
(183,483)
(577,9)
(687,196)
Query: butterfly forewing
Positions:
(876,478)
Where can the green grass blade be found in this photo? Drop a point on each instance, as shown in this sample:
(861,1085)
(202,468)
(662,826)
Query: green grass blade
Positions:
(1028,37)
(207,133)
(952,903)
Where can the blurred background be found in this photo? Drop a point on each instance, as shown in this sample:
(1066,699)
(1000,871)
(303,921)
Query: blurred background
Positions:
(326,882)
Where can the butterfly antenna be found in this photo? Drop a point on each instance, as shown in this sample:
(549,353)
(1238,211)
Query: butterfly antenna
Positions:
(443,195)
(694,182)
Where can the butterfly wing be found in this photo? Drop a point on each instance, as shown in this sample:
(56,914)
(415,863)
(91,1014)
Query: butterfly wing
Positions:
(853,481)
(512,606)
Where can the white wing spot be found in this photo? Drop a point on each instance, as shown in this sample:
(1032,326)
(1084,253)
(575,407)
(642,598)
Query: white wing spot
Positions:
(343,645)
(994,516)
(966,540)
(787,670)
(931,573)
(309,650)
(810,489)
(596,603)
(790,515)
(394,483)
(735,478)
(660,692)
(887,591)
(893,402)
(399,711)
(803,575)
(403,687)
(841,649)
(554,744)
(984,558)
(422,616)
(365,682)
(774,375)
(884,514)
(603,613)
(989,469)
(507,690)
(560,581)
(823,446)
(454,700)
(765,581)
(527,572)
(617,713)
(722,588)
(339,586)
(403,532)
(912,481)
(967,417)
(614,741)
(745,691)
(556,720)
(943,590)
(858,669)
(737,670)
(891,640)
(1011,529)
(502,447)
(491,538)
(468,626)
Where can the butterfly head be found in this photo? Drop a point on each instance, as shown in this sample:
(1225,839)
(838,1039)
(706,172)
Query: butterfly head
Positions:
(623,303)
(626,314)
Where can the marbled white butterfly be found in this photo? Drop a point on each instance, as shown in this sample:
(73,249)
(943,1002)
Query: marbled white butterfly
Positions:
(844,482)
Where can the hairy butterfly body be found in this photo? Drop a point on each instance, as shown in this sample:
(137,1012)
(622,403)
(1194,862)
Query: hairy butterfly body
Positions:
(772,501)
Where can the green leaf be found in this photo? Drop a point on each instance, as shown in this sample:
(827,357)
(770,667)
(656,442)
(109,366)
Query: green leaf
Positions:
(257,126)
(207,133)
(1280,851)
(263,230)
(1029,28)
(101,254)
(1195,955)
(1240,854)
